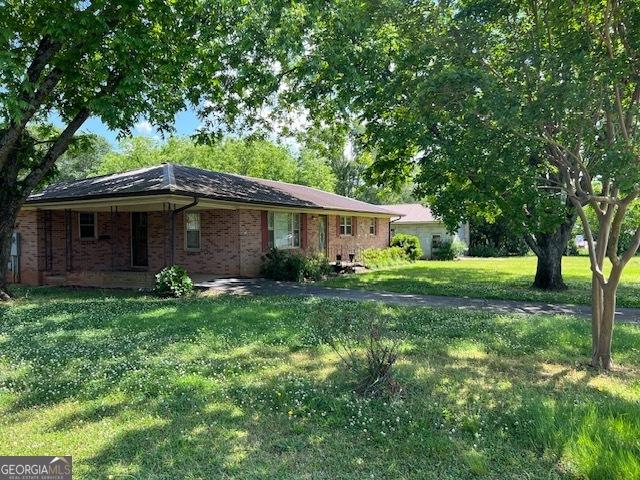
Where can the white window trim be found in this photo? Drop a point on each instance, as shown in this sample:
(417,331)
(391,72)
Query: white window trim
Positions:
(95,226)
(344,224)
(271,227)
(373,222)
(187,248)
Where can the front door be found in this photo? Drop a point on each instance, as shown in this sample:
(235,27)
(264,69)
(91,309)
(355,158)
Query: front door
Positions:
(322,234)
(139,250)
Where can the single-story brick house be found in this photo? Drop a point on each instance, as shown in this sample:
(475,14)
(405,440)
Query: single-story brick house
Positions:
(417,219)
(121,229)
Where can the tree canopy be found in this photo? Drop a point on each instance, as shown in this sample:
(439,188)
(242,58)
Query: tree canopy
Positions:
(435,110)
(81,159)
(337,145)
(126,60)
(251,157)
(531,108)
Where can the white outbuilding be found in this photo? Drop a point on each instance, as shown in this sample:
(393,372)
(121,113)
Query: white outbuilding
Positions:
(418,220)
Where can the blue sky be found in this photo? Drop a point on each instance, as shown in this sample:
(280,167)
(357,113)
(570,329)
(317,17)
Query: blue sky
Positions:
(186,123)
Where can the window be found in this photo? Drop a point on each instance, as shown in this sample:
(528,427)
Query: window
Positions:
(192,228)
(436,241)
(87,226)
(284,229)
(346,225)
(373,230)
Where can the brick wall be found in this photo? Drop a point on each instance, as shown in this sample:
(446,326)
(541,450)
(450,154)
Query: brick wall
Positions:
(111,249)
(250,242)
(219,252)
(28,224)
(361,239)
(230,245)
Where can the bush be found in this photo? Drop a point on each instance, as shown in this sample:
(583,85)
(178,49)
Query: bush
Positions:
(282,265)
(450,250)
(316,267)
(173,281)
(572,248)
(486,251)
(383,257)
(294,267)
(409,243)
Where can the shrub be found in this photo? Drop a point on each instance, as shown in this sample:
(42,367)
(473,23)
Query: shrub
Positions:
(409,243)
(450,250)
(366,348)
(485,251)
(316,267)
(294,267)
(572,249)
(283,265)
(173,281)
(383,257)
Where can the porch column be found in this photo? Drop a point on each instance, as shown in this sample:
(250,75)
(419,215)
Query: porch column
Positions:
(68,244)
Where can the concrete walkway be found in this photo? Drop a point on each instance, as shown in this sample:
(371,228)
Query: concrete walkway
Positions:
(269,287)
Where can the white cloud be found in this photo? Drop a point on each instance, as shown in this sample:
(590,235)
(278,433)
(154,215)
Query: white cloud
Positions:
(143,127)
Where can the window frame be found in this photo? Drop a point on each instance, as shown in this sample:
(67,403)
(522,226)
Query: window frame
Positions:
(187,230)
(373,225)
(95,226)
(344,225)
(296,240)
(440,240)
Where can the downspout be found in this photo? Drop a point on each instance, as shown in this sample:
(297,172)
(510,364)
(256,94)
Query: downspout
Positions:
(173,225)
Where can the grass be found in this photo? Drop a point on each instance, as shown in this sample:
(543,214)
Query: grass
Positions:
(238,387)
(499,278)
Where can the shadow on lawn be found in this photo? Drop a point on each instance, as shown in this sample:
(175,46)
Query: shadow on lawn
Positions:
(556,410)
(454,279)
(214,381)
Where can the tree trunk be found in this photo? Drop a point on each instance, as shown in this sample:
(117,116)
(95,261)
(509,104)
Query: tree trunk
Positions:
(596,318)
(549,269)
(549,248)
(602,333)
(7,221)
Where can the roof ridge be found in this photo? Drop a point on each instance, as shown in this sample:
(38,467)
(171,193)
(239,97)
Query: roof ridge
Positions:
(169,176)
(259,179)
(71,182)
(173,178)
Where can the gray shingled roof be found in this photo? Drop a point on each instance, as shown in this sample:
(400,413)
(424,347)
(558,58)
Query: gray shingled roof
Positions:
(190,181)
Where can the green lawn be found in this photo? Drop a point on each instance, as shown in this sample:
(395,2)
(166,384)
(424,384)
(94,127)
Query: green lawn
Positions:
(143,388)
(505,278)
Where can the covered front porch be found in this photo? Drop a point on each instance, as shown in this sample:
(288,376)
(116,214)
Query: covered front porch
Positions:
(125,242)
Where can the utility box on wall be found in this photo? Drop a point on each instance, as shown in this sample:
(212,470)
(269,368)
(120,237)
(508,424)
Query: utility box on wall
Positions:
(14,257)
